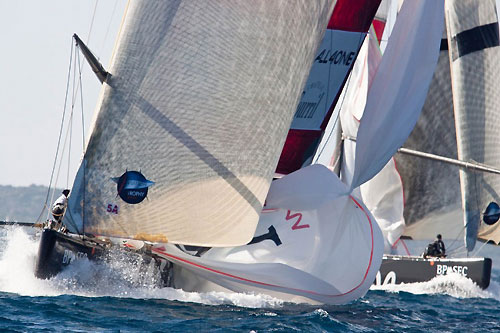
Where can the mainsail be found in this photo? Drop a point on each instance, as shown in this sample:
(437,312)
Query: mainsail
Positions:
(475,72)
(191,122)
(459,123)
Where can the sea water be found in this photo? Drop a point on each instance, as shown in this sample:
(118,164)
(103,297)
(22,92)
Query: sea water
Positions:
(90,297)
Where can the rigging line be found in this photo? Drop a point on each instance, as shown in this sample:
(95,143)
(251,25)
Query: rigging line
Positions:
(472,166)
(60,130)
(92,22)
(71,119)
(67,132)
(73,97)
(459,253)
(83,145)
(61,161)
(81,103)
(478,250)
(109,26)
(456,239)
(76,84)
(69,149)
(90,30)
(459,249)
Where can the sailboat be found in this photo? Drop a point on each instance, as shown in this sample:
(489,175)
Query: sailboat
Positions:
(444,200)
(194,112)
(188,136)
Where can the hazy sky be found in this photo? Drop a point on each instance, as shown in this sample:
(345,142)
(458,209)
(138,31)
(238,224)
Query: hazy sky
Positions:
(36,39)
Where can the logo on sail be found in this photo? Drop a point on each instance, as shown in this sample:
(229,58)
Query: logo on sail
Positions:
(491,214)
(132,186)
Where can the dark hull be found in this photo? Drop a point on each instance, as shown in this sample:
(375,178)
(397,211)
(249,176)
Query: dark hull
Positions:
(57,250)
(405,269)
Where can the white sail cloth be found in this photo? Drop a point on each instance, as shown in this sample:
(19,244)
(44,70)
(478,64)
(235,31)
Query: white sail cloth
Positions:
(199,102)
(475,71)
(399,87)
(383,194)
(388,99)
(400,83)
(329,254)
(314,188)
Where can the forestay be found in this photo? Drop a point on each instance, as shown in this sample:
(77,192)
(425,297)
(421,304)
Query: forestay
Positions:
(475,72)
(192,120)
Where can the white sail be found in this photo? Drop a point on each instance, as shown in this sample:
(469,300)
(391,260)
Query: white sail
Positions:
(383,194)
(406,73)
(354,102)
(329,253)
(313,189)
(199,101)
(475,72)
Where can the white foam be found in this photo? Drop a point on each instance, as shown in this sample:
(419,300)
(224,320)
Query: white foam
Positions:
(322,313)
(119,278)
(454,285)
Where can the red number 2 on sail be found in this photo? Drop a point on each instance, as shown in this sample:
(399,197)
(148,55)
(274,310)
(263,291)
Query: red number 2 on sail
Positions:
(296,225)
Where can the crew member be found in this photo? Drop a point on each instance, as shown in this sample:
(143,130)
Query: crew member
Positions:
(441,251)
(59,206)
(435,249)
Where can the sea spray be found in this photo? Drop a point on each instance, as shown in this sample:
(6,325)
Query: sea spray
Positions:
(94,297)
(121,275)
(454,285)
(17,262)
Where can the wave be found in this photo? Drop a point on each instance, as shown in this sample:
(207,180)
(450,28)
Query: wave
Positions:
(118,278)
(454,285)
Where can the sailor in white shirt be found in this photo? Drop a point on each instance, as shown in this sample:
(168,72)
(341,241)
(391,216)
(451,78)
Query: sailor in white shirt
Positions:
(59,206)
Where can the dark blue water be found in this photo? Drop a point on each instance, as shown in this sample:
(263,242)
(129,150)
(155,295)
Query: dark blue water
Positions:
(95,298)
